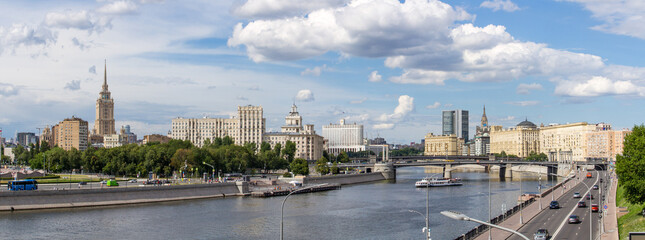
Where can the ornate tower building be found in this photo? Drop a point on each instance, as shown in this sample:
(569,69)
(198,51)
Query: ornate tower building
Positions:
(484,119)
(104,123)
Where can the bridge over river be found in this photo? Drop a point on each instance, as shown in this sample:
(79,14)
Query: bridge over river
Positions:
(449,163)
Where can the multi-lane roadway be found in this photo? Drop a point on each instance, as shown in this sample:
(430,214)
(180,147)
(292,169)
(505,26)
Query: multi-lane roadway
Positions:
(556,220)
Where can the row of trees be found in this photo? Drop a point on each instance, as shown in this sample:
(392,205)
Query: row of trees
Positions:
(630,166)
(164,159)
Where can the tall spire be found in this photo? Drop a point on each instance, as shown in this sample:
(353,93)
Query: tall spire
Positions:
(105,86)
(484,122)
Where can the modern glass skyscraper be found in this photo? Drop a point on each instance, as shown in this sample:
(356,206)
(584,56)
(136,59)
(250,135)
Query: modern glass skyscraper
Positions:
(455,122)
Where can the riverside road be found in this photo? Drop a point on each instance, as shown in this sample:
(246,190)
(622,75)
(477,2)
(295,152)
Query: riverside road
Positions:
(364,211)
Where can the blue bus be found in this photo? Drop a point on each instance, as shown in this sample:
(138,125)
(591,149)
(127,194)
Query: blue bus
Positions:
(19,185)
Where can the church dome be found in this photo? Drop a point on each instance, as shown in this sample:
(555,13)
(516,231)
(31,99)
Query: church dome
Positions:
(526,124)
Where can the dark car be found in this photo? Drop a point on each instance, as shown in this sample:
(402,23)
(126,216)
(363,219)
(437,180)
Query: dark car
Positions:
(574,219)
(601,180)
(594,207)
(595,187)
(582,204)
(554,205)
(589,196)
(541,234)
(82,183)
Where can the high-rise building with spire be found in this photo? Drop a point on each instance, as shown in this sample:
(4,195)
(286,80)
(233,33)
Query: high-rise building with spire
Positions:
(104,122)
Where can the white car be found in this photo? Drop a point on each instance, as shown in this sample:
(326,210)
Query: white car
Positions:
(576,195)
(133,181)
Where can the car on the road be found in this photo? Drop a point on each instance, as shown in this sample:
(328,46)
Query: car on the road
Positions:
(589,196)
(594,207)
(589,175)
(541,234)
(576,195)
(82,183)
(601,180)
(132,181)
(582,204)
(112,183)
(595,187)
(104,182)
(554,205)
(574,219)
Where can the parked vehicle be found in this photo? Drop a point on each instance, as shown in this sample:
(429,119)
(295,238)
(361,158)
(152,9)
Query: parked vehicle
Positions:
(582,204)
(594,207)
(554,205)
(20,185)
(576,195)
(541,234)
(574,219)
(112,183)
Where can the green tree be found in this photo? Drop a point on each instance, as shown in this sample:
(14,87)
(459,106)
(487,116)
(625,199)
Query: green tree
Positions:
(321,166)
(289,151)
(227,141)
(300,166)
(334,168)
(630,166)
(343,157)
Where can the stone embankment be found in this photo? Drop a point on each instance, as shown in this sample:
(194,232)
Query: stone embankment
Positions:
(345,179)
(34,200)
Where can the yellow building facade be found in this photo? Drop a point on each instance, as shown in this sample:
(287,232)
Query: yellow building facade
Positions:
(443,145)
(520,140)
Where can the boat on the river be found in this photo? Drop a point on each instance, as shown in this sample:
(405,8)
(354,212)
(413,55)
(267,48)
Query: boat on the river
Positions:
(438,182)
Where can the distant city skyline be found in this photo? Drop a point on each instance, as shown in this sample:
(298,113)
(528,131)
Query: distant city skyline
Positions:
(548,61)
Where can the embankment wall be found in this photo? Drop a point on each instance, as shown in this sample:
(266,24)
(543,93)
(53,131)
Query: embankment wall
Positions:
(31,200)
(345,178)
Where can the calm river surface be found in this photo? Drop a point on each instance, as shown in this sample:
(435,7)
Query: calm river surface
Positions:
(365,211)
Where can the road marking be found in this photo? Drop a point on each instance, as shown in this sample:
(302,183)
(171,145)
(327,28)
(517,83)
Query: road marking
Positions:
(573,209)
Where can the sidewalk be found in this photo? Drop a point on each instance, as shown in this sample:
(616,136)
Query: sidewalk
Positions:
(610,221)
(528,213)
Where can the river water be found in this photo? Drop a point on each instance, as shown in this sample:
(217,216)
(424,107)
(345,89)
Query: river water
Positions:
(364,211)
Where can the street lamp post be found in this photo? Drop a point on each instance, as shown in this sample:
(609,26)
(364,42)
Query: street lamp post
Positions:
(213,174)
(540,190)
(462,217)
(489,207)
(426,229)
(282,210)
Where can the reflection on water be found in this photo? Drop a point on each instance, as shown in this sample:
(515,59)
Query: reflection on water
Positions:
(363,211)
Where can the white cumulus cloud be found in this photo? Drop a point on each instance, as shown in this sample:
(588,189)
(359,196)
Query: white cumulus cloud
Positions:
(523,103)
(383,126)
(496,5)
(268,9)
(624,17)
(406,105)
(316,71)
(433,106)
(305,95)
(598,86)
(524,88)
(118,8)
(374,77)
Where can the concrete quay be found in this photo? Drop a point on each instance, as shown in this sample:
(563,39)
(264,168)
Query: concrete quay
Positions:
(71,198)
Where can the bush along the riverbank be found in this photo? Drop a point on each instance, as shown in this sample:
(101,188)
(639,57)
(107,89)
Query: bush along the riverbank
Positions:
(634,221)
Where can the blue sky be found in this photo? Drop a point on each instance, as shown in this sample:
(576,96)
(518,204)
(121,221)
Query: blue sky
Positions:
(390,65)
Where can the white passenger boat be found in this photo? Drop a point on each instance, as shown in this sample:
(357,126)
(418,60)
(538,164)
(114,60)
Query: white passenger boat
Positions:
(438,182)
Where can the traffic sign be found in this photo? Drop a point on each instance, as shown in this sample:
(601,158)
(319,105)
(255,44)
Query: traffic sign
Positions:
(605,207)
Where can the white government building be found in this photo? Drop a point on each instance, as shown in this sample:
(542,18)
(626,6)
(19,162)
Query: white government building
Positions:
(343,137)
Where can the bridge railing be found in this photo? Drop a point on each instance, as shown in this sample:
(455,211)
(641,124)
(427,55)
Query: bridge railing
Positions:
(475,232)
